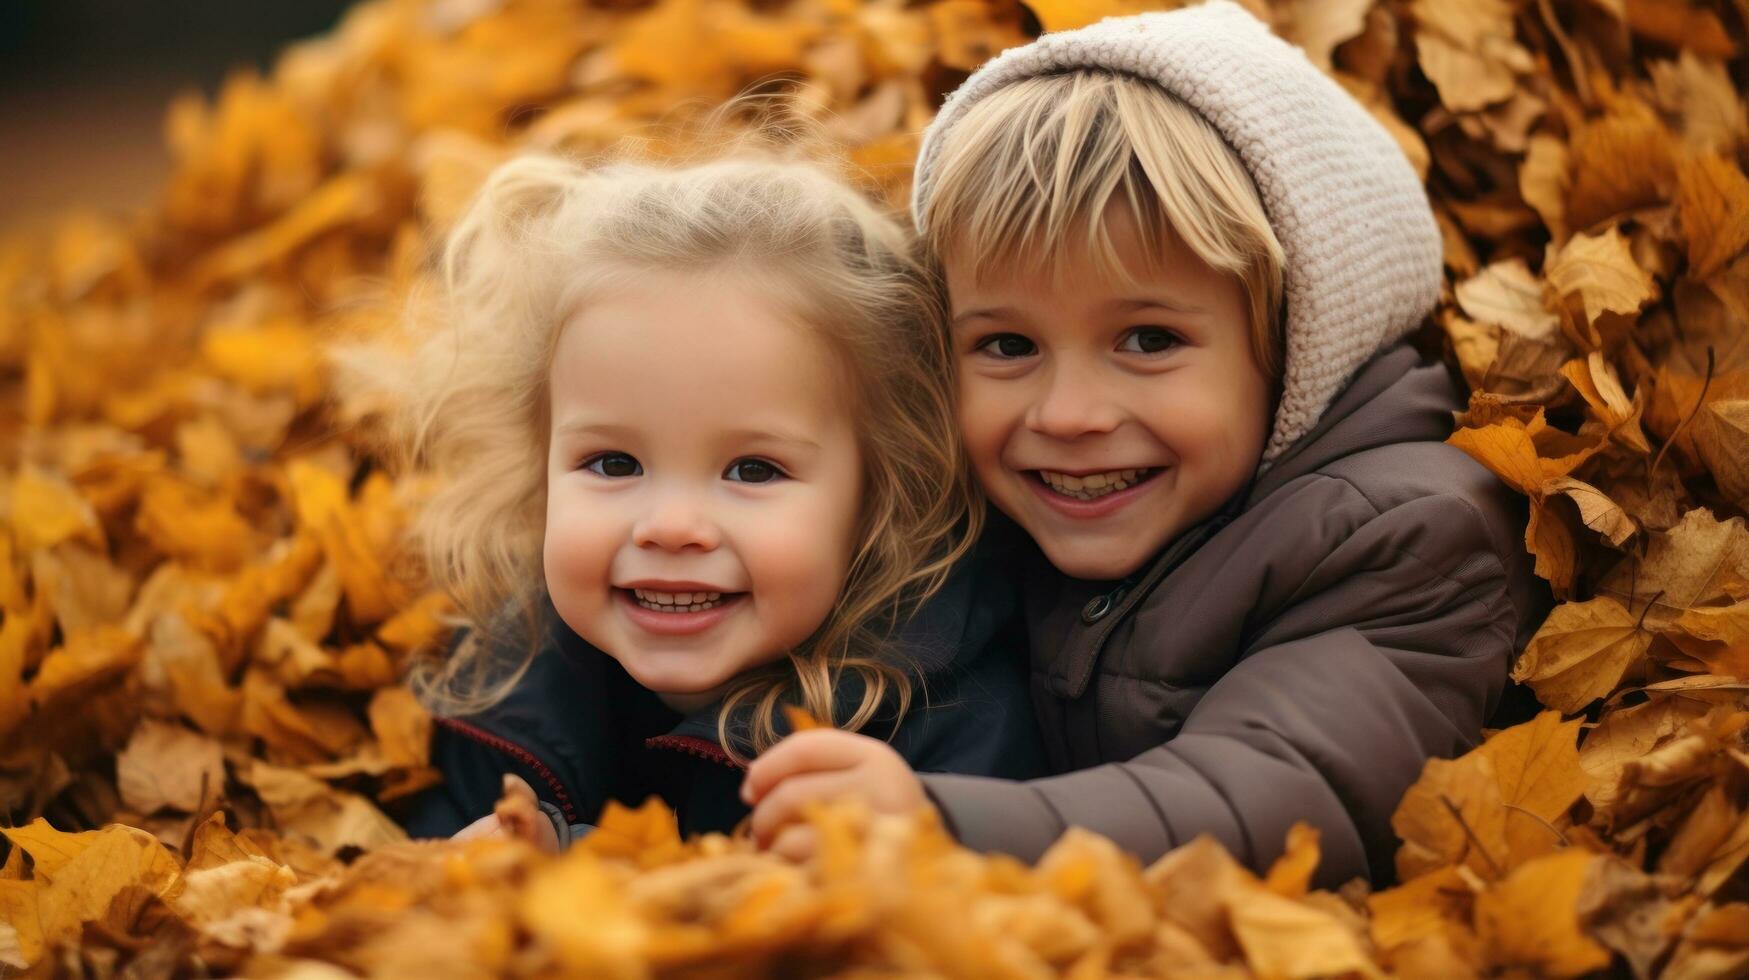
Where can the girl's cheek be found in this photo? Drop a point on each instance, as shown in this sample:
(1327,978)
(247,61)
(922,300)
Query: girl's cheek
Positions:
(578,546)
(799,560)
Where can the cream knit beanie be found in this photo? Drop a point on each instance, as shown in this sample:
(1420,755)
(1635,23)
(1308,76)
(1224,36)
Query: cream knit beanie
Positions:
(1363,251)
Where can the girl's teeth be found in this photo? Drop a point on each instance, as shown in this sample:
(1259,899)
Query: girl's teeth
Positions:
(677,601)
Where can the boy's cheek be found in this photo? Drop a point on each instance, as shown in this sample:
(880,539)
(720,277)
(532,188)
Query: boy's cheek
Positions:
(985,419)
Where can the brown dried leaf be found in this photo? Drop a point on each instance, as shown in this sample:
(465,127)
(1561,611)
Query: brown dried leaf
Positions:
(1582,652)
(1531,919)
(168,766)
(1713,199)
(1601,272)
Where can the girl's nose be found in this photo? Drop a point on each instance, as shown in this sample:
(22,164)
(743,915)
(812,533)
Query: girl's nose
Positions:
(677,522)
(1073,404)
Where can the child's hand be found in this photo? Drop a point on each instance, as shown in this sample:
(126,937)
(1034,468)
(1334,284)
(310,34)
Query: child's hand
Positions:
(518,815)
(824,764)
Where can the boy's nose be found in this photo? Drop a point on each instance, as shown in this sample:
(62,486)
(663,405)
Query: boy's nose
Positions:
(1072,404)
(677,522)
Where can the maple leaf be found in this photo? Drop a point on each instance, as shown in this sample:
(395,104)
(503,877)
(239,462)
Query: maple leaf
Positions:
(1582,652)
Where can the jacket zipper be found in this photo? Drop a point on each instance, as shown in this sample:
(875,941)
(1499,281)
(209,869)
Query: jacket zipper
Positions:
(692,745)
(518,753)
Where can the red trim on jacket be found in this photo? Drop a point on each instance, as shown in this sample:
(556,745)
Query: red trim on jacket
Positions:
(704,748)
(519,753)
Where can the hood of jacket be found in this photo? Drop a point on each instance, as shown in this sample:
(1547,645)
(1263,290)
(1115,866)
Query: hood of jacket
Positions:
(1363,252)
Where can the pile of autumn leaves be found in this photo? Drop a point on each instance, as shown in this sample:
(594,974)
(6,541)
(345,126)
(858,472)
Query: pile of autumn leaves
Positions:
(206,606)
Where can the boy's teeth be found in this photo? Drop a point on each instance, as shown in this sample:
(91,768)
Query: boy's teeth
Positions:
(1094,485)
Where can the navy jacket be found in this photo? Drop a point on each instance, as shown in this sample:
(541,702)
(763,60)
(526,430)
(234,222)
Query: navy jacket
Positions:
(582,732)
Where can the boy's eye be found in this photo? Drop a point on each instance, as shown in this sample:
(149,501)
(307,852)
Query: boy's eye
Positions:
(752,471)
(1007,345)
(1148,340)
(616,465)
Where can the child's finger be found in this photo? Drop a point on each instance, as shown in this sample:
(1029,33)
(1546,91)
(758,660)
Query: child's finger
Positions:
(486,826)
(783,805)
(797,842)
(811,751)
(518,812)
(515,785)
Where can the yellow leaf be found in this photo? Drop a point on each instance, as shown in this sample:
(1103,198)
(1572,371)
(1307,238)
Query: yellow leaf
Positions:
(117,858)
(402,726)
(1700,561)
(195,526)
(1597,382)
(1453,815)
(1470,53)
(1600,270)
(215,845)
(1195,886)
(648,835)
(1550,540)
(1436,902)
(18,912)
(1319,27)
(1721,435)
(168,766)
(577,907)
(1713,198)
(1680,24)
(1619,163)
(213,894)
(329,818)
(1543,182)
(1531,919)
(1537,766)
(1291,874)
(1581,653)
(1066,15)
(47,510)
(89,658)
(323,510)
(276,356)
(50,850)
(418,625)
(1525,455)
(1616,751)
(1507,294)
(1596,510)
(1092,874)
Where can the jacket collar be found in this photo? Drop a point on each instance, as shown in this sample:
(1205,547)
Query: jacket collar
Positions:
(951,624)
(1395,397)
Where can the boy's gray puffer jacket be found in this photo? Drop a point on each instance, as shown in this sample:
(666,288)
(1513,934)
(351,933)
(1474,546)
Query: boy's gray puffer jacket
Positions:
(1299,656)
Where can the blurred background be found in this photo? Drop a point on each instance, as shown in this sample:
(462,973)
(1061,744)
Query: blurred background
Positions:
(84,84)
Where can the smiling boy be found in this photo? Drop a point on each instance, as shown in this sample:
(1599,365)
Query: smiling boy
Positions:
(1182,266)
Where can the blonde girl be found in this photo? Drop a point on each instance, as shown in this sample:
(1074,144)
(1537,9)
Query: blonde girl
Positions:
(698,462)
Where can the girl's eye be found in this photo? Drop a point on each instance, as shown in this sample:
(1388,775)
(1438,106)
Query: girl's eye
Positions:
(1148,340)
(615,465)
(752,471)
(1007,345)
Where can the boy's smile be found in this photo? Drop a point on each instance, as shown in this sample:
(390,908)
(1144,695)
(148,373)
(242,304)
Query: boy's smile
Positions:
(1094,494)
(1106,417)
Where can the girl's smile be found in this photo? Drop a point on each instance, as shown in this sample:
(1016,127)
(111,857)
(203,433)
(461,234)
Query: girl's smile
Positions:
(703,453)
(672,618)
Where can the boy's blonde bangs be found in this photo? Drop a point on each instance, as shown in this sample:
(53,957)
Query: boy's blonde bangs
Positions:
(1026,178)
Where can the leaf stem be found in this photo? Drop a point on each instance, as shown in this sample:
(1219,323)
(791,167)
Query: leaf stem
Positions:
(1475,841)
(1698,402)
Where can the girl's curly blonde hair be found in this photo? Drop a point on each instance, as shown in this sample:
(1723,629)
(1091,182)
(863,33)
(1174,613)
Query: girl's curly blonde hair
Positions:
(472,406)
